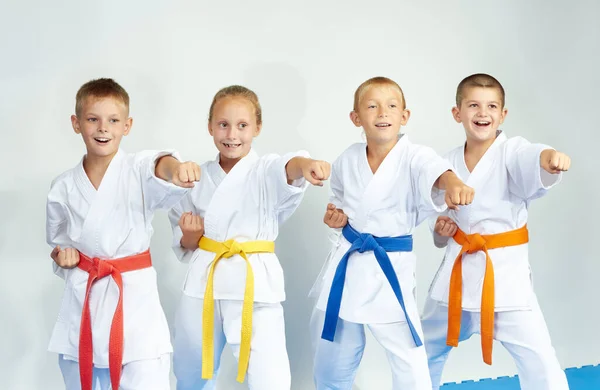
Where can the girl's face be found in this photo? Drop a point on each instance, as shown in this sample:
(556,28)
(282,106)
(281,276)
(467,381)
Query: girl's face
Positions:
(233,127)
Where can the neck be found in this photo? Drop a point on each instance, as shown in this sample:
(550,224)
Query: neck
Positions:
(376,153)
(227,164)
(475,150)
(95,167)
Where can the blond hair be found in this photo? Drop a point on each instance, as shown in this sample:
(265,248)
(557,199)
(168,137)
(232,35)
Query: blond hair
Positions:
(377,81)
(100,88)
(480,80)
(238,91)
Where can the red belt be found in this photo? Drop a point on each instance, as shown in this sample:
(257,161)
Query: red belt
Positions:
(98,269)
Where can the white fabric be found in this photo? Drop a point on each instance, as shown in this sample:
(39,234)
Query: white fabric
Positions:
(247,204)
(150,374)
(113,222)
(268,368)
(391,202)
(523,333)
(336,363)
(505,180)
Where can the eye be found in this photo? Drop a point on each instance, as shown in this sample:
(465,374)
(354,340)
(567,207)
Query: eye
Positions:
(243,125)
(473,105)
(393,106)
(91,119)
(372,106)
(493,106)
(114,120)
(223,125)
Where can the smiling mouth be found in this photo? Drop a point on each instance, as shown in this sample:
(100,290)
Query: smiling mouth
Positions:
(482,123)
(102,140)
(232,146)
(382,125)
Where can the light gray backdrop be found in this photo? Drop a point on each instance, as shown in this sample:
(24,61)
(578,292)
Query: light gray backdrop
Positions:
(304,59)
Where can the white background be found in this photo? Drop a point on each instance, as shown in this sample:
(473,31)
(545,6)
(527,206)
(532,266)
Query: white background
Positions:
(304,59)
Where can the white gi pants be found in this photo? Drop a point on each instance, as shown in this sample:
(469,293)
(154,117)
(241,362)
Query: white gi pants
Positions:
(336,363)
(150,374)
(523,333)
(268,368)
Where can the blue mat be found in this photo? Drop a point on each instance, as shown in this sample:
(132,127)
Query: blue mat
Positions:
(584,378)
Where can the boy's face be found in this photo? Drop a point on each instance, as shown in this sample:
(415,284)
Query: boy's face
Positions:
(381,114)
(481,113)
(102,123)
(233,127)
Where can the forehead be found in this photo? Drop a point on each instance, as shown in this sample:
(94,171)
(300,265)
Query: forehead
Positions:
(104,103)
(233,106)
(483,94)
(380,92)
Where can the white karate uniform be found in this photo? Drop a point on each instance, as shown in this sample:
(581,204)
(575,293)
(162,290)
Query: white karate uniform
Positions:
(389,203)
(112,222)
(506,179)
(247,204)
(147,374)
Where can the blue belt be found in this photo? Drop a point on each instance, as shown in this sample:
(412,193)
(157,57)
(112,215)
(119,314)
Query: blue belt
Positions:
(363,242)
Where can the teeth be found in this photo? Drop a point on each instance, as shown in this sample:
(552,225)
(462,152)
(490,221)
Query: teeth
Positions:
(482,123)
(102,139)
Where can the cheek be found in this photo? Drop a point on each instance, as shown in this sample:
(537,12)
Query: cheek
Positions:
(217,135)
(247,136)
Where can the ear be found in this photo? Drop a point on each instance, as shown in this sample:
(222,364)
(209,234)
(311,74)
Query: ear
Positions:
(258,129)
(405,116)
(75,124)
(128,125)
(355,118)
(456,114)
(503,115)
(210,129)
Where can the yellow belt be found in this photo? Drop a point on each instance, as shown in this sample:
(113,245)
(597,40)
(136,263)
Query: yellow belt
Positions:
(221,250)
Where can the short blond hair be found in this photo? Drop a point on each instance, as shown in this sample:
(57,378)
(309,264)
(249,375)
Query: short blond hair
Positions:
(480,80)
(376,81)
(238,91)
(100,88)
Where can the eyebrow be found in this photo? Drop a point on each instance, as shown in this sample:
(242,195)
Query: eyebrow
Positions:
(377,100)
(479,101)
(94,114)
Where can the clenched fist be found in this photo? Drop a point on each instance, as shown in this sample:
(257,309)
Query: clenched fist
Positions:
(192,227)
(315,171)
(445,227)
(457,192)
(65,258)
(185,174)
(554,162)
(334,217)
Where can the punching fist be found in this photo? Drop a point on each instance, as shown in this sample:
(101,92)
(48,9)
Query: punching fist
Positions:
(315,171)
(457,192)
(554,162)
(185,174)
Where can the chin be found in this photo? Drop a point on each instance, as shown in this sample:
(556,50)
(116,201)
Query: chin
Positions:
(482,137)
(102,153)
(232,155)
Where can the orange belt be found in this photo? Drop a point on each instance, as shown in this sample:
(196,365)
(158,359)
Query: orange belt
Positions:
(472,243)
(98,269)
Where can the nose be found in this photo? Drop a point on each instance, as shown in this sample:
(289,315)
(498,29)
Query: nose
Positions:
(102,125)
(382,112)
(231,132)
